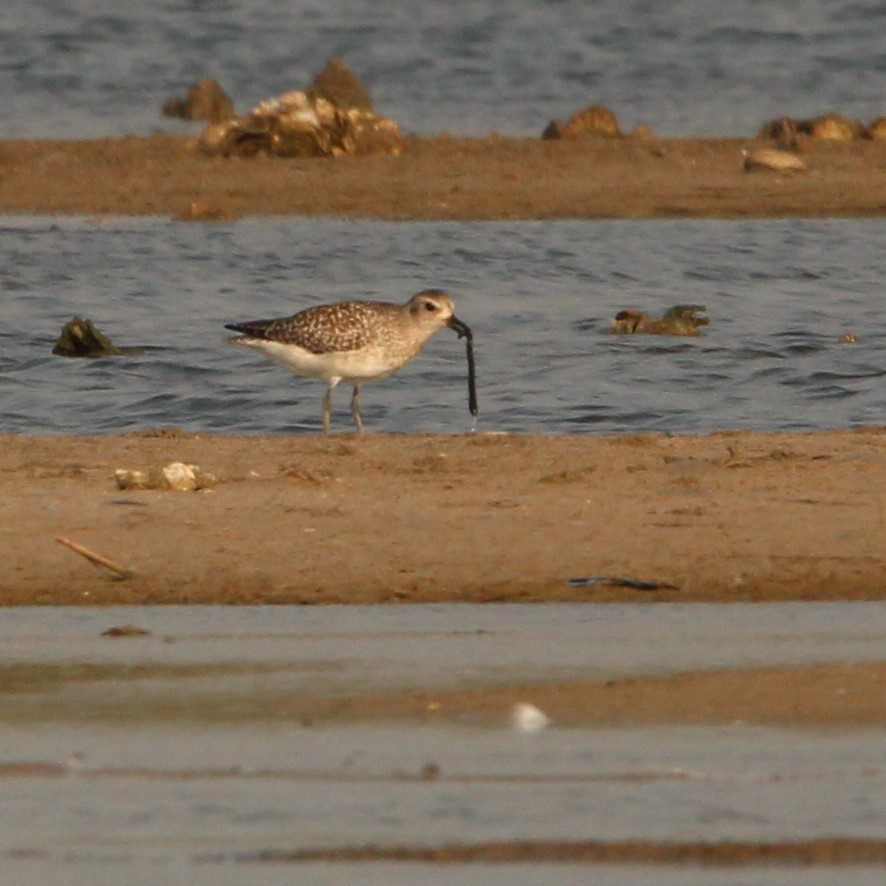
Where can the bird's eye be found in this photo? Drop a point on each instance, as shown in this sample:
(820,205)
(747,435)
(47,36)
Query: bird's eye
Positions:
(430,306)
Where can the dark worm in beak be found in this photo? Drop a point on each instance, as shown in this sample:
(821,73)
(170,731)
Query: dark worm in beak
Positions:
(464,331)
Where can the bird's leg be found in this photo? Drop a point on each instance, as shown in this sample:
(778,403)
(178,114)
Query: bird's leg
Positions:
(355,409)
(327,409)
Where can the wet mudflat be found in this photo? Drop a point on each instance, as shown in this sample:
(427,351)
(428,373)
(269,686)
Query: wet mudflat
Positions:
(378,743)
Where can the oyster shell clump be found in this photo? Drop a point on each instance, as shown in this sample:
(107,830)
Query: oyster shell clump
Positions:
(176,476)
(332,117)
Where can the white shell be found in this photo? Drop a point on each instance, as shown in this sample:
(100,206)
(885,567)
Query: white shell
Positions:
(528,718)
(770,158)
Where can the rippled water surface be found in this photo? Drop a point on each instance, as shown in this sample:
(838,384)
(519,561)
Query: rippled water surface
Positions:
(687,67)
(539,296)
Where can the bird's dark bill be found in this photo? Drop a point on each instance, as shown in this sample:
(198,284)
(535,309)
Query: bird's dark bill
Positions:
(464,331)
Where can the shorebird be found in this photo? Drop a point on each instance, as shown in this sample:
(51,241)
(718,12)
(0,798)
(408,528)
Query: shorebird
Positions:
(355,341)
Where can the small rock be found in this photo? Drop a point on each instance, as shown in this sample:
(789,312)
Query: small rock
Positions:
(205,100)
(135,479)
(214,138)
(126,631)
(340,86)
(429,772)
(642,132)
(594,120)
(876,129)
(179,477)
(832,127)
(175,476)
(199,211)
(782,130)
(81,338)
(554,130)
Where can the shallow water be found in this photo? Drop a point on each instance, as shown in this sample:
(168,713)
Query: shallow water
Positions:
(79,68)
(381,644)
(186,795)
(539,296)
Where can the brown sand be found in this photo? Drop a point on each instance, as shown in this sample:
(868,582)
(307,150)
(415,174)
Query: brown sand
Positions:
(725,517)
(445,178)
(823,851)
(825,695)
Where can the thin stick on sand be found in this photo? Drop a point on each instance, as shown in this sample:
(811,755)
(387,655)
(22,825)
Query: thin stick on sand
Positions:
(116,568)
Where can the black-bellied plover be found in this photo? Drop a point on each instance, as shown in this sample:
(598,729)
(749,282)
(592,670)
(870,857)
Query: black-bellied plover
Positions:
(356,341)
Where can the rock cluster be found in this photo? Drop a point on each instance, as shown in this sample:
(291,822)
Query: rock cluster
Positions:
(332,117)
(594,120)
(834,127)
